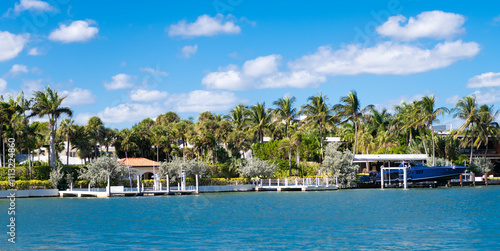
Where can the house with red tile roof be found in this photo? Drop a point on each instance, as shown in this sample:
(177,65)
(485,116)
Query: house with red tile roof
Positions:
(143,166)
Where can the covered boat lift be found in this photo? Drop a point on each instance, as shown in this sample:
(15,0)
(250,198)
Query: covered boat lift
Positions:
(367,158)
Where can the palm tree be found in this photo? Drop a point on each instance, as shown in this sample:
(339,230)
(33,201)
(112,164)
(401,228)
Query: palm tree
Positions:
(48,103)
(67,128)
(429,115)
(350,109)
(6,114)
(318,113)
(486,126)
(238,116)
(260,119)
(466,109)
(285,112)
(95,127)
(287,145)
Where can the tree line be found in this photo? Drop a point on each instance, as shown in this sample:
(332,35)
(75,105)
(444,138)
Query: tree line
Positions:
(297,133)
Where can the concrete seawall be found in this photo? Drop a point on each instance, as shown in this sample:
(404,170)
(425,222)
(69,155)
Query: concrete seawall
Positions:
(228,188)
(30,193)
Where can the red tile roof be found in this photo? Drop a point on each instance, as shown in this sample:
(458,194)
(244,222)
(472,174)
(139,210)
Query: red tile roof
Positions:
(139,162)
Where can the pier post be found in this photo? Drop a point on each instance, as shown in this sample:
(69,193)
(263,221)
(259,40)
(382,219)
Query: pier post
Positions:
(404,177)
(197,184)
(461,180)
(474,179)
(142,187)
(296,182)
(108,188)
(382,178)
(278,182)
(286,182)
(138,184)
(486,179)
(326,181)
(168,184)
(269,182)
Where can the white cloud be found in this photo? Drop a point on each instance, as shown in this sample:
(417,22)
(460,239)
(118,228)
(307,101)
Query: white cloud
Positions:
(189,50)
(11,45)
(129,113)
(78,96)
(30,5)
(201,100)
(18,68)
(261,66)
(260,73)
(228,80)
(487,97)
(120,81)
(488,79)
(453,100)
(385,58)
(204,26)
(429,24)
(142,95)
(77,31)
(153,71)
(3,85)
(34,52)
(82,118)
(31,86)
(294,79)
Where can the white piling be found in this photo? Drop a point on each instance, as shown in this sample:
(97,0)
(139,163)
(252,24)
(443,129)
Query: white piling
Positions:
(138,184)
(197,184)
(327,182)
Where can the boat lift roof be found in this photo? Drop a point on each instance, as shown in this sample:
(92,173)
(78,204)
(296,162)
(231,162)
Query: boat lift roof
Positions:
(388,157)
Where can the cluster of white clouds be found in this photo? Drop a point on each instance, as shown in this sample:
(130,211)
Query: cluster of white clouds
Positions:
(401,55)
(204,25)
(260,73)
(487,85)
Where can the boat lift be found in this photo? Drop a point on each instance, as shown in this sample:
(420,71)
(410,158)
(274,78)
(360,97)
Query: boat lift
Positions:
(367,158)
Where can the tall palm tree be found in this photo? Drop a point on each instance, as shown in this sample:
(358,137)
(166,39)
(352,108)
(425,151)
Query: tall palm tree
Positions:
(260,119)
(67,128)
(95,127)
(285,112)
(318,113)
(486,126)
(350,110)
(466,109)
(48,103)
(429,115)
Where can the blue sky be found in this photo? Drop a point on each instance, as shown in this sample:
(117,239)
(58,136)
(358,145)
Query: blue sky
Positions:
(124,61)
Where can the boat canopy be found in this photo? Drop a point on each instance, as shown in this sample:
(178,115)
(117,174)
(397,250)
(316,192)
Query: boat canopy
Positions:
(388,157)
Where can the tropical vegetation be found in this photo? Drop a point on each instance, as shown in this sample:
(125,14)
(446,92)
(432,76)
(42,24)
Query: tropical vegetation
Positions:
(287,138)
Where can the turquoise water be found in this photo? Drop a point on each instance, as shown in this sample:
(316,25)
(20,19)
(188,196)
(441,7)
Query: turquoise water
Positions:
(443,218)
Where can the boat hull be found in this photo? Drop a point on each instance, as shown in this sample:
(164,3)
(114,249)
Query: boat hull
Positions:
(423,173)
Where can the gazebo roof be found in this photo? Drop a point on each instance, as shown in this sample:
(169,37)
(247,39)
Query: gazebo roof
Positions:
(139,162)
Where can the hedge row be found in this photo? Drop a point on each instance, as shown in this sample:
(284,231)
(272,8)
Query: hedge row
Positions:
(26,184)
